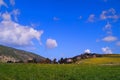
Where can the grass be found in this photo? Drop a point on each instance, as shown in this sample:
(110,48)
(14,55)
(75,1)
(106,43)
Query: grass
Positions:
(59,72)
(107,59)
(103,68)
(101,60)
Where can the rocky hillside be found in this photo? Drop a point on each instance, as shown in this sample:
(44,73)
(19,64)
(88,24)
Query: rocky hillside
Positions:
(8,54)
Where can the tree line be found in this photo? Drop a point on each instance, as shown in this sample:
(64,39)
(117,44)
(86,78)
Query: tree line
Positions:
(62,60)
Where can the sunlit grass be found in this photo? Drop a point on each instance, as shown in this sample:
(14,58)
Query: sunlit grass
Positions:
(101,60)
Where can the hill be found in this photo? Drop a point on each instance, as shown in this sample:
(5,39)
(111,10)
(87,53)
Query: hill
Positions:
(106,59)
(92,58)
(8,54)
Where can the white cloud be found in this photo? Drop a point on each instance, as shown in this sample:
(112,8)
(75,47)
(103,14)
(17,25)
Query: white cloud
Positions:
(109,14)
(15,13)
(91,18)
(109,38)
(12,2)
(51,43)
(107,50)
(2,3)
(103,16)
(16,34)
(108,28)
(6,16)
(118,43)
(87,51)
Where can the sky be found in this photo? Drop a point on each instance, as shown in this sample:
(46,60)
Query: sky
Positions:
(61,28)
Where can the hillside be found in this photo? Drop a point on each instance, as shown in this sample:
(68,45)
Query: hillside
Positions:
(92,58)
(107,59)
(15,55)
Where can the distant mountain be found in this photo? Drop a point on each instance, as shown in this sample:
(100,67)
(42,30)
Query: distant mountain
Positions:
(16,55)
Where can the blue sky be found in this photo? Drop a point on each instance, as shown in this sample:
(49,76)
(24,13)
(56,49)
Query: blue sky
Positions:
(61,28)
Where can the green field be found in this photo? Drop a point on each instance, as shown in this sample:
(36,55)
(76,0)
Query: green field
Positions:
(99,68)
(107,60)
(59,72)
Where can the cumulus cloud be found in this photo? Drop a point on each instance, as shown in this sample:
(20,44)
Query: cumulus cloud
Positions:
(118,43)
(12,2)
(91,18)
(109,38)
(109,14)
(87,51)
(107,50)
(51,43)
(2,3)
(16,34)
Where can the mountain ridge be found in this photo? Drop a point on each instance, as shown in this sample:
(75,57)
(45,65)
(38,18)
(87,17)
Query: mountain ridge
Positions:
(17,55)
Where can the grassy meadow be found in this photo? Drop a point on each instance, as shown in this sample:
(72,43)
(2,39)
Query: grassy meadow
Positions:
(59,72)
(99,68)
(112,60)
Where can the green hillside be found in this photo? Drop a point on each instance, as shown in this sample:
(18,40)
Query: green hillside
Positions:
(12,54)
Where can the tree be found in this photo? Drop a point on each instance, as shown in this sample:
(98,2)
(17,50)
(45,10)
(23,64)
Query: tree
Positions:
(55,61)
(61,61)
(48,60)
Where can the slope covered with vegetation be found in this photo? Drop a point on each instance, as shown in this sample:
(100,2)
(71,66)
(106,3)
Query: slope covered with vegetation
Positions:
(11,54)
(107,59)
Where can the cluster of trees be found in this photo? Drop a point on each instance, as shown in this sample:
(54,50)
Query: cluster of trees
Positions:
(73,59)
